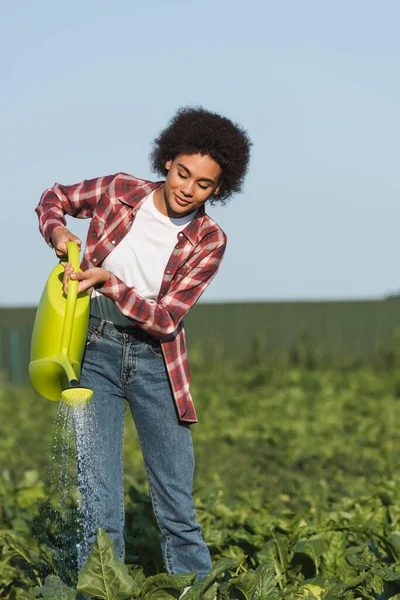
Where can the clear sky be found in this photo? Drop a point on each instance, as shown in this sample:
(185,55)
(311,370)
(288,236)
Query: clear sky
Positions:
(86,86)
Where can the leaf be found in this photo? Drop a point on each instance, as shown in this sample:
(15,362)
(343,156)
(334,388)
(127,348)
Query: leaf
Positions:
(185,579)
(198,589)
(161,586)
(314,591)
(334,592)
(7,574)
(103,575)
(386,574)
(222,565)
(246,583)
(282,545)
(138,577)
(29,479)
(393,541)
(224,591)
(266,585)
(378,584)
(18,548)
(211,593)
(335,554)
(55,589)
(29,497)
(195,592)
(312,549)
(268,555)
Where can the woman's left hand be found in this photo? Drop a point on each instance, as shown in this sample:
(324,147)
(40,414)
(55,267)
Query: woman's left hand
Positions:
(87,279)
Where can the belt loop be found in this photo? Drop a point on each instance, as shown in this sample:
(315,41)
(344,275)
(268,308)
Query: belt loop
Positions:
(100,326)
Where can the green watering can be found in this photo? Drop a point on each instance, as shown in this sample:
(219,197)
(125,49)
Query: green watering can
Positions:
(59,337)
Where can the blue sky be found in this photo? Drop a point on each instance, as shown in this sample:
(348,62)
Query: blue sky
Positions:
(86,86)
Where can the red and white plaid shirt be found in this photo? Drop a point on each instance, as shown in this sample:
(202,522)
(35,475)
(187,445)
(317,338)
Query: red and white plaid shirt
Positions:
(112,202)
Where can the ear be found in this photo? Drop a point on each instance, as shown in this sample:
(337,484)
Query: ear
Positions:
(168,164)
(216,191)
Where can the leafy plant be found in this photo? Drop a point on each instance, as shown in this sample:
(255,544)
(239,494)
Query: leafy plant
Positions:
(297,490)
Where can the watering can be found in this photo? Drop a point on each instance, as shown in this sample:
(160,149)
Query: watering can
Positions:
(59,337)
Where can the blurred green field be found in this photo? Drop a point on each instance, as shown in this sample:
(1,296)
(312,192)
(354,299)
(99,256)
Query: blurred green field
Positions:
(290,462)
(327,332)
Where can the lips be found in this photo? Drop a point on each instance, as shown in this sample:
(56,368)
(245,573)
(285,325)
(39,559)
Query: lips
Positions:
(181,202)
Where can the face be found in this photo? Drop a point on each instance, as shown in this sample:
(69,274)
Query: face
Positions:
(191,180)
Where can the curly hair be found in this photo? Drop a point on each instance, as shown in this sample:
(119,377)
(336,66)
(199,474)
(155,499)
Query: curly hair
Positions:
(194,130)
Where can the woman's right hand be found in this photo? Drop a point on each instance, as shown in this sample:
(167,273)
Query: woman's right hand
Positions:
(59,238)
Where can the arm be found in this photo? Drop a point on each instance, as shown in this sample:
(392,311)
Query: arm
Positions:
(77,200)
(161,318)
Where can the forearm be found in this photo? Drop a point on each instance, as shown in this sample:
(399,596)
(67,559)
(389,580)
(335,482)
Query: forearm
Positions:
(50,214)
(152,316)
(161,318)
(78,200)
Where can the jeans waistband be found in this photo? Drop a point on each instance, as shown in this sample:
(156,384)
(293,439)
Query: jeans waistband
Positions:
(131,330)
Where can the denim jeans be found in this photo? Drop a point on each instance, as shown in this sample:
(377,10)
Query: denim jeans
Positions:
(126,363)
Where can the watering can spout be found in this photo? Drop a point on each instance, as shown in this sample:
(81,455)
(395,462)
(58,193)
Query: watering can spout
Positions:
(59,336)
(77,397)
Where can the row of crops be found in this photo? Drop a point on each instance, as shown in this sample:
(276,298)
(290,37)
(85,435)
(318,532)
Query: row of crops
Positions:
(297,489)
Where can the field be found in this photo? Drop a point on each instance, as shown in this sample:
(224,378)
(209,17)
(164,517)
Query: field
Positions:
(297,489)
(365,330)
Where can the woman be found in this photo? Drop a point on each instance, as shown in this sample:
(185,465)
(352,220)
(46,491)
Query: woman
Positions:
(151,251)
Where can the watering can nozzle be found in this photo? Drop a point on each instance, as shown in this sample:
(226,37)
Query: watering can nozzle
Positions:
(77,397)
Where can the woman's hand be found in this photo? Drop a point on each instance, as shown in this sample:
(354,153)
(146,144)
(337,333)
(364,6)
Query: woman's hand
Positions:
(87,279)
(59,238)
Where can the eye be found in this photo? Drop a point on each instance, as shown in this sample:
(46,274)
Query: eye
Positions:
(182,176)
(204,187)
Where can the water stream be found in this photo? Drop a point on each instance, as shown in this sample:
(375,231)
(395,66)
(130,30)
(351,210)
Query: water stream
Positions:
(70,522)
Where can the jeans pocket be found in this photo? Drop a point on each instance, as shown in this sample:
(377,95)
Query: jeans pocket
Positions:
(154,346)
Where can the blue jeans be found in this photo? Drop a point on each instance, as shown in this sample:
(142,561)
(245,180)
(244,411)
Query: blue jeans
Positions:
(126,363)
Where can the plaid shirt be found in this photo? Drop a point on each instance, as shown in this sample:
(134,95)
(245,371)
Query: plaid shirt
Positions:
(112,202)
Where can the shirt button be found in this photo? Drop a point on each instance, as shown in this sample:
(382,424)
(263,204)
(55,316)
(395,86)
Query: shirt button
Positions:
(168,272)
(95,260)
(113,242)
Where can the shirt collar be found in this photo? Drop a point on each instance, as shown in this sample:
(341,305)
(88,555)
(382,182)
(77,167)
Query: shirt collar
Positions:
(192,230)
(136,198)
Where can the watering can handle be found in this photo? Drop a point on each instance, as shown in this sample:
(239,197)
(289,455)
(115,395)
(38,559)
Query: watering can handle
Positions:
(73,255)
(73,258)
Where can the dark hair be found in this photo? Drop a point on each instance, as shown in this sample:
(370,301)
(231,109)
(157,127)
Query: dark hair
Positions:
(194,130)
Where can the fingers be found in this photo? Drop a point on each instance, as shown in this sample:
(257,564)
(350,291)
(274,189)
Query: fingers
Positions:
(85,278)
(84,286)
(76,240)
(68,271)
(59,237)
(61,250)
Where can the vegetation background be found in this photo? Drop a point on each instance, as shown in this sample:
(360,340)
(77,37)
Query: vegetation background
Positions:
(297,486)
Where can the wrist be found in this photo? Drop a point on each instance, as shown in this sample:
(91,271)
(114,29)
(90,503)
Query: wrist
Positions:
(57,228)
(103,278)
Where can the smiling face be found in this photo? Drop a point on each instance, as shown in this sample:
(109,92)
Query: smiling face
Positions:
(191,180)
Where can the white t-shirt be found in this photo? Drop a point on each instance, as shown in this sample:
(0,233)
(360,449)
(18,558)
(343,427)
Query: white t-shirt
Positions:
(140,258)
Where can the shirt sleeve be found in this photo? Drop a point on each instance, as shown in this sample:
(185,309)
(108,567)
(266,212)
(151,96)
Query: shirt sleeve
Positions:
(161,318)
(78,200)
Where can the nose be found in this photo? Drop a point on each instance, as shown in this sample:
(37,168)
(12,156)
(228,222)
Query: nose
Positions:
(187,189)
